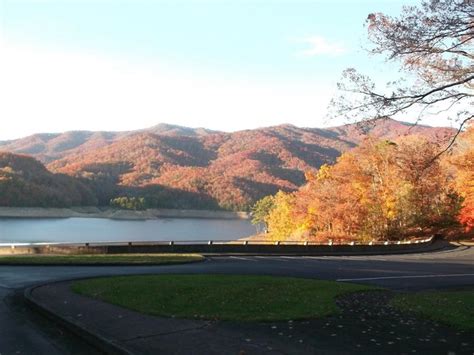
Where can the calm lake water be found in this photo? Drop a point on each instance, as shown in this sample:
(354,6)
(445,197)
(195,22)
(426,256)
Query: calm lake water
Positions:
(80,230)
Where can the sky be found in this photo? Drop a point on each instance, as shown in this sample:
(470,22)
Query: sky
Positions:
(221,64)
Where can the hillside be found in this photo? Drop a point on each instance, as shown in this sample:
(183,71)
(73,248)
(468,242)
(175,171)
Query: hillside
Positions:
(232,169)
(184,167)
(25,182)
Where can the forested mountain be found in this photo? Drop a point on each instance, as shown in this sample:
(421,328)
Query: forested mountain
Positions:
(48,147)
(51,146)
(175,166)
(24,181)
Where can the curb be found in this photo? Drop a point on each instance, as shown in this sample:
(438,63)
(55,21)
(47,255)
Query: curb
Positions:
(466,243)
(108,264)
(103,343)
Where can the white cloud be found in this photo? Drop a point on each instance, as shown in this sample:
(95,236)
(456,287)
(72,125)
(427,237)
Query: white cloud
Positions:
(319,45)
(45,90)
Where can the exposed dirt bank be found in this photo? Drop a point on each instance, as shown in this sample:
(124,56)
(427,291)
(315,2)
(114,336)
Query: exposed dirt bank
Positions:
(95,212)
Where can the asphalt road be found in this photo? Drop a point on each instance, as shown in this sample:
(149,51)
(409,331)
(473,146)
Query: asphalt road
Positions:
(23,332)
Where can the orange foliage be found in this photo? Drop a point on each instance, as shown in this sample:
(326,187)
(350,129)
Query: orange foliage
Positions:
(464,163)
(372,192)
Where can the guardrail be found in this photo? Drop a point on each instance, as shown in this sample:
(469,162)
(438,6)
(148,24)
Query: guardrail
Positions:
(217,246)
(219,242)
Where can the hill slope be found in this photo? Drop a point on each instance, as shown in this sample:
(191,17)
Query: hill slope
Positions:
(185,167)
(25,182)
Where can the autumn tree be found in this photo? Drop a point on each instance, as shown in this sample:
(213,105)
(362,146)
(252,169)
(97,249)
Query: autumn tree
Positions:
(129,203)
(376,191)
(464,164)
(281,222)
(261,210)
(433,45)
(354,198)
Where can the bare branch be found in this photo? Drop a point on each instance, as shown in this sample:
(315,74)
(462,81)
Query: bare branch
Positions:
(435,43)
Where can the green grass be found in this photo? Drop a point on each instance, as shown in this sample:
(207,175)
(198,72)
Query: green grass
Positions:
(455,308)
(95,259)
(225,297)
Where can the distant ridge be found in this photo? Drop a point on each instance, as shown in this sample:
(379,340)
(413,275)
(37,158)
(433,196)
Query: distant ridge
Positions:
(176,130)
(52,146)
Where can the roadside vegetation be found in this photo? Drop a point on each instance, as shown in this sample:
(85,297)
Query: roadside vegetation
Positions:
(126,259)
(380,190)
(455,308)
(222,297)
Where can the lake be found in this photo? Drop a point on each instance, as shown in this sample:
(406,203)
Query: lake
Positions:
(81,230)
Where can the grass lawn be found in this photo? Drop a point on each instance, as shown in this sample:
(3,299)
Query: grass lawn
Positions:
(455,308)
(94,259)
(226,297)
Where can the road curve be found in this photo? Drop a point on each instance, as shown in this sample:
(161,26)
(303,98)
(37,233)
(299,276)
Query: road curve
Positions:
(23,332)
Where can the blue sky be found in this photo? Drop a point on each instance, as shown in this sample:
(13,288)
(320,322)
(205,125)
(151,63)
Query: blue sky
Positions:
(228,65)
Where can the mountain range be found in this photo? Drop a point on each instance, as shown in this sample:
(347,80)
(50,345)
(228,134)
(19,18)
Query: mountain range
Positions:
(181,167)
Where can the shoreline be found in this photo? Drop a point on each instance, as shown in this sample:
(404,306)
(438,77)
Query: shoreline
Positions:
(111,213)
